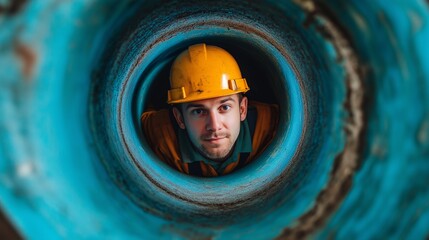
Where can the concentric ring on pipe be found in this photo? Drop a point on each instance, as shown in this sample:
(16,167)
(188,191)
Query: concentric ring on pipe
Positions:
(215,195)
(128,75)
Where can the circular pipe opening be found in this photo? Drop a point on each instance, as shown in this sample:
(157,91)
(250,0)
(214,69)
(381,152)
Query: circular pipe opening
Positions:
(281,66)
(261,64)
(259,68)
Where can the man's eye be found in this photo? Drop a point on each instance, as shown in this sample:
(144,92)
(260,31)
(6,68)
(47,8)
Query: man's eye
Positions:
(197,112)
(225,108)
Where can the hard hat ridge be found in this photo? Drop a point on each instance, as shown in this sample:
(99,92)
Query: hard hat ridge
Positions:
(195,52)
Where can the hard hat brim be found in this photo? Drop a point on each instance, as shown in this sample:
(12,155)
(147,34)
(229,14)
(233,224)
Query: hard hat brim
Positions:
(197,96)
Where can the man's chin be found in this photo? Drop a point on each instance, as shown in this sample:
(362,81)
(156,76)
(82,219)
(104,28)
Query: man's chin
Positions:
(217,158)
(216,155)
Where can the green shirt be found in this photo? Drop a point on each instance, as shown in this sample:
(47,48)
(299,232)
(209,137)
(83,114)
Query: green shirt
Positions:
(189,154)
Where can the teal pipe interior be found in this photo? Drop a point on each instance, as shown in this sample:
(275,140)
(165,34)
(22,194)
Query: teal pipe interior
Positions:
(349,158)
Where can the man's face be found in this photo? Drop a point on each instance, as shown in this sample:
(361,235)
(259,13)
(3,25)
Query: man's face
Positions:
(213,125)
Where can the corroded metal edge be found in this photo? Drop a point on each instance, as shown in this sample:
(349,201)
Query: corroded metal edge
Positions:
(348,161)
(7,229)
(12,7)
(224,207)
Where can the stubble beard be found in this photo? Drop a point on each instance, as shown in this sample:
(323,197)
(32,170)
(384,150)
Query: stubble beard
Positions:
(216,155)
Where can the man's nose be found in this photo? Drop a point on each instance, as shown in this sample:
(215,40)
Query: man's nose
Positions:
(213,122)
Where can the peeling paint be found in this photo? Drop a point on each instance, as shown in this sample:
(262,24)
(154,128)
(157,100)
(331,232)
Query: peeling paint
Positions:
(28,58)
(347,162)
(423,133)
(7,230)
(12,7)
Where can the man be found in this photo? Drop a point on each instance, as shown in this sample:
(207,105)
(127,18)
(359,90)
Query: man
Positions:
(212,129)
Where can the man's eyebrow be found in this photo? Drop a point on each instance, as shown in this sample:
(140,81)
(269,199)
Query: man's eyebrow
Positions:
(193,105)
(196,105)
(227,99)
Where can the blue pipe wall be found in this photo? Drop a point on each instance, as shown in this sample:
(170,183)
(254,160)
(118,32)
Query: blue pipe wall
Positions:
(350,158)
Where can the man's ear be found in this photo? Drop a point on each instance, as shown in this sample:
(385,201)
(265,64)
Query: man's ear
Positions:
(179,118)
(243,108)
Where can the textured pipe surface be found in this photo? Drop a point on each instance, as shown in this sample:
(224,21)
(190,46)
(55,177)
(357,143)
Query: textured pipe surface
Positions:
(350,158)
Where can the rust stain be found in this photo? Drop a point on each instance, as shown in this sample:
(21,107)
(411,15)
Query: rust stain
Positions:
(7,229)
(347,162)
(13,7)
(423,132)
(27,57)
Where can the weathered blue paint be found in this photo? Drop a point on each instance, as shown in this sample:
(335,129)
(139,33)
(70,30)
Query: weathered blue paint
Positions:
(76,76)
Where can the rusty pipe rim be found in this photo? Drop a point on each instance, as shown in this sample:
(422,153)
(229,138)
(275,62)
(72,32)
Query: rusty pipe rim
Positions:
(163,191)
(208,192)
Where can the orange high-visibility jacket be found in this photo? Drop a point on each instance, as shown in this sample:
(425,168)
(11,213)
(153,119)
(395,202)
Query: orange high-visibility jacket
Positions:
(161,136)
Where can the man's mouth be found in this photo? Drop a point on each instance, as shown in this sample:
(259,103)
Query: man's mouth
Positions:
(214,138)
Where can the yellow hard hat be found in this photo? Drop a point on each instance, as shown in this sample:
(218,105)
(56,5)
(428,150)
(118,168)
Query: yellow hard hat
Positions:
(202,72)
